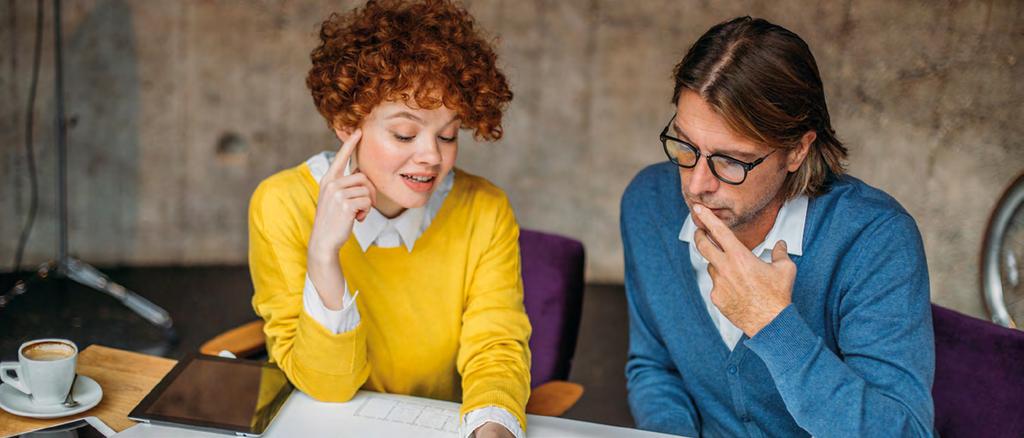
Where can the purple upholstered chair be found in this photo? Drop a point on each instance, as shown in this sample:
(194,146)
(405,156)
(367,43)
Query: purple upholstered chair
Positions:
(979,377)
(553,286)
(553,296)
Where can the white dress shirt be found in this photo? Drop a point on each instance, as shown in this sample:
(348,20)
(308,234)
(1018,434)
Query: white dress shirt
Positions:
(405,229)
(789,227)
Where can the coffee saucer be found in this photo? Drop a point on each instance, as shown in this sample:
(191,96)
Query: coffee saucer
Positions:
(87,393)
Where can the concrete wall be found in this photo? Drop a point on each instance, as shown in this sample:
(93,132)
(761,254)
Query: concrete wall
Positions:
(180,108)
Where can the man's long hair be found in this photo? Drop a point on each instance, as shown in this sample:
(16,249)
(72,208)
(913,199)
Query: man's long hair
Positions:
(763,80)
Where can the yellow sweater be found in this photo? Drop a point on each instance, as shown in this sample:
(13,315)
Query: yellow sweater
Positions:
(452,307)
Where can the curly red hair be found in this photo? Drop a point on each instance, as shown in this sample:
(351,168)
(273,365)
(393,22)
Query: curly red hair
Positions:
(426,52)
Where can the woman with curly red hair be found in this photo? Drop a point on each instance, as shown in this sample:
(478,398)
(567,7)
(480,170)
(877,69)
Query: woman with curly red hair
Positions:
(383,266)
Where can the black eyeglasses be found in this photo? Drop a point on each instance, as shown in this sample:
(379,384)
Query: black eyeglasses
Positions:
(727,169)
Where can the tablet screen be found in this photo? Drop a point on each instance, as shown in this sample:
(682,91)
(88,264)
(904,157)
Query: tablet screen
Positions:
(208,392)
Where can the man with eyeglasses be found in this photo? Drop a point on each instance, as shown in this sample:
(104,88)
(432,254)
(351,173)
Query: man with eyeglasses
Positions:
(769,293)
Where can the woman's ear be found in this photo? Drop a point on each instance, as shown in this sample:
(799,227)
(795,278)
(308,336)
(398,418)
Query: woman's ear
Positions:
(798,154)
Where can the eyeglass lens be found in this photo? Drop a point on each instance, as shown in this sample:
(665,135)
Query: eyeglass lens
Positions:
(686,156)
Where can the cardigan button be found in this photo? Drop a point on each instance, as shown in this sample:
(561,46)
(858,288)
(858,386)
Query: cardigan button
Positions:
(732,369)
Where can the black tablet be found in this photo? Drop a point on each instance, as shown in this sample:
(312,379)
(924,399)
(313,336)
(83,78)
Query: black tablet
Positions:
(88,427)
(235,396)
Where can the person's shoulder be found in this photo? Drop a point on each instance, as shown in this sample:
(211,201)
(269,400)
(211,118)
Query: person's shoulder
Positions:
(654,187)
(854,205)
(853,196)
(478,206)
(288,187)
(653,177)
(285,179)
(480,191)
(870,231)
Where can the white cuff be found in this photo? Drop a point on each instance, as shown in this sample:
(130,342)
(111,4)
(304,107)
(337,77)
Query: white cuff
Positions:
(335,321)
(490,414)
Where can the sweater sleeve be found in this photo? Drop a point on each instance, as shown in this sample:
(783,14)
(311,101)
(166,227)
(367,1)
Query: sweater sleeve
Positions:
(657,397)
(324,365)
(494,352)
(880,383)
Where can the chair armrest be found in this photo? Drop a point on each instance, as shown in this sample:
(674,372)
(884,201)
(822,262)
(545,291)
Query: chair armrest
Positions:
(242,341)
(553,398)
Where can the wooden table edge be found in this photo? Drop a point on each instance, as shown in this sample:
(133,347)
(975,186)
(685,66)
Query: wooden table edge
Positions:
(125,377)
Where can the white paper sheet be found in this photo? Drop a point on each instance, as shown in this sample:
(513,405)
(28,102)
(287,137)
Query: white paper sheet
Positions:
(388,415)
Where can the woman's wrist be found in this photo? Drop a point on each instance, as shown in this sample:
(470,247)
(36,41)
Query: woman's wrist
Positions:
(325,273)
(321,258)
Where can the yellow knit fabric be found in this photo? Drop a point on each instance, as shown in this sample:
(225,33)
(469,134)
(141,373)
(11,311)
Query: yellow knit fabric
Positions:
(452,307)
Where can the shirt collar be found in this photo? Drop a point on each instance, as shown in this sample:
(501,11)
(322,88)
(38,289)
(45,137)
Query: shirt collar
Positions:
(789,226)
(406,224)
(410,225)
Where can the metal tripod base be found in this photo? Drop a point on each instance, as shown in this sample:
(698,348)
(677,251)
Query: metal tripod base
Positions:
(86,275)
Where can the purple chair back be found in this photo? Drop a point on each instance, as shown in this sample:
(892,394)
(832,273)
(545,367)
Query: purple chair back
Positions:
(979,377)
(553,296)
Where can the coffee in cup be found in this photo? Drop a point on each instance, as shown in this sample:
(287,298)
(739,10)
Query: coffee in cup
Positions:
(44,371)
(48,351)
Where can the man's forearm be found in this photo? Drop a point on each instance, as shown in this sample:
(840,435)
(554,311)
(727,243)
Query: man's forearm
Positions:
(828,396)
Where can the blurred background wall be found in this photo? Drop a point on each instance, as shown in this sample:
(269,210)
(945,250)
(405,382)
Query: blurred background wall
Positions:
(178,109)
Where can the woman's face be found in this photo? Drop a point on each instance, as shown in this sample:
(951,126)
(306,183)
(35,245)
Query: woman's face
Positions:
(406,152)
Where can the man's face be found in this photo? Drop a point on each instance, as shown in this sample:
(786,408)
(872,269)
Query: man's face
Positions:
(742,207)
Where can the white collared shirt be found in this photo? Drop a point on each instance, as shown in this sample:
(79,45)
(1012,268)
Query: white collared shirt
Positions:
(404,229)
(789,227)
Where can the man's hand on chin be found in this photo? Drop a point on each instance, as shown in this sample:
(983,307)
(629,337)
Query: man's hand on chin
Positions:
(748,291)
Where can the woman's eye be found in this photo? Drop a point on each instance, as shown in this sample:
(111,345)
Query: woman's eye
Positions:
(403,138)
(448,139)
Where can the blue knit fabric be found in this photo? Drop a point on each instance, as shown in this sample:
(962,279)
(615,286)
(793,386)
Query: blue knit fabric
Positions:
(852,356)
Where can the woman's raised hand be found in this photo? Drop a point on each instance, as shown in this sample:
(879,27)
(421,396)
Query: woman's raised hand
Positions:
(342,201)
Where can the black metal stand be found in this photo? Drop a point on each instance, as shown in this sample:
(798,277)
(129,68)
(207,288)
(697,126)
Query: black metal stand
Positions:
(67,267)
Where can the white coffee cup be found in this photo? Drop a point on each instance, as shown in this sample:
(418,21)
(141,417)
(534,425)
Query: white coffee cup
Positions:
(45,370)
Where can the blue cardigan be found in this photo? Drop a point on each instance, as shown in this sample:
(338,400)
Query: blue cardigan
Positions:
(852,356)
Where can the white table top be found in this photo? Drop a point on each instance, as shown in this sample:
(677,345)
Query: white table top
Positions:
(376,414)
